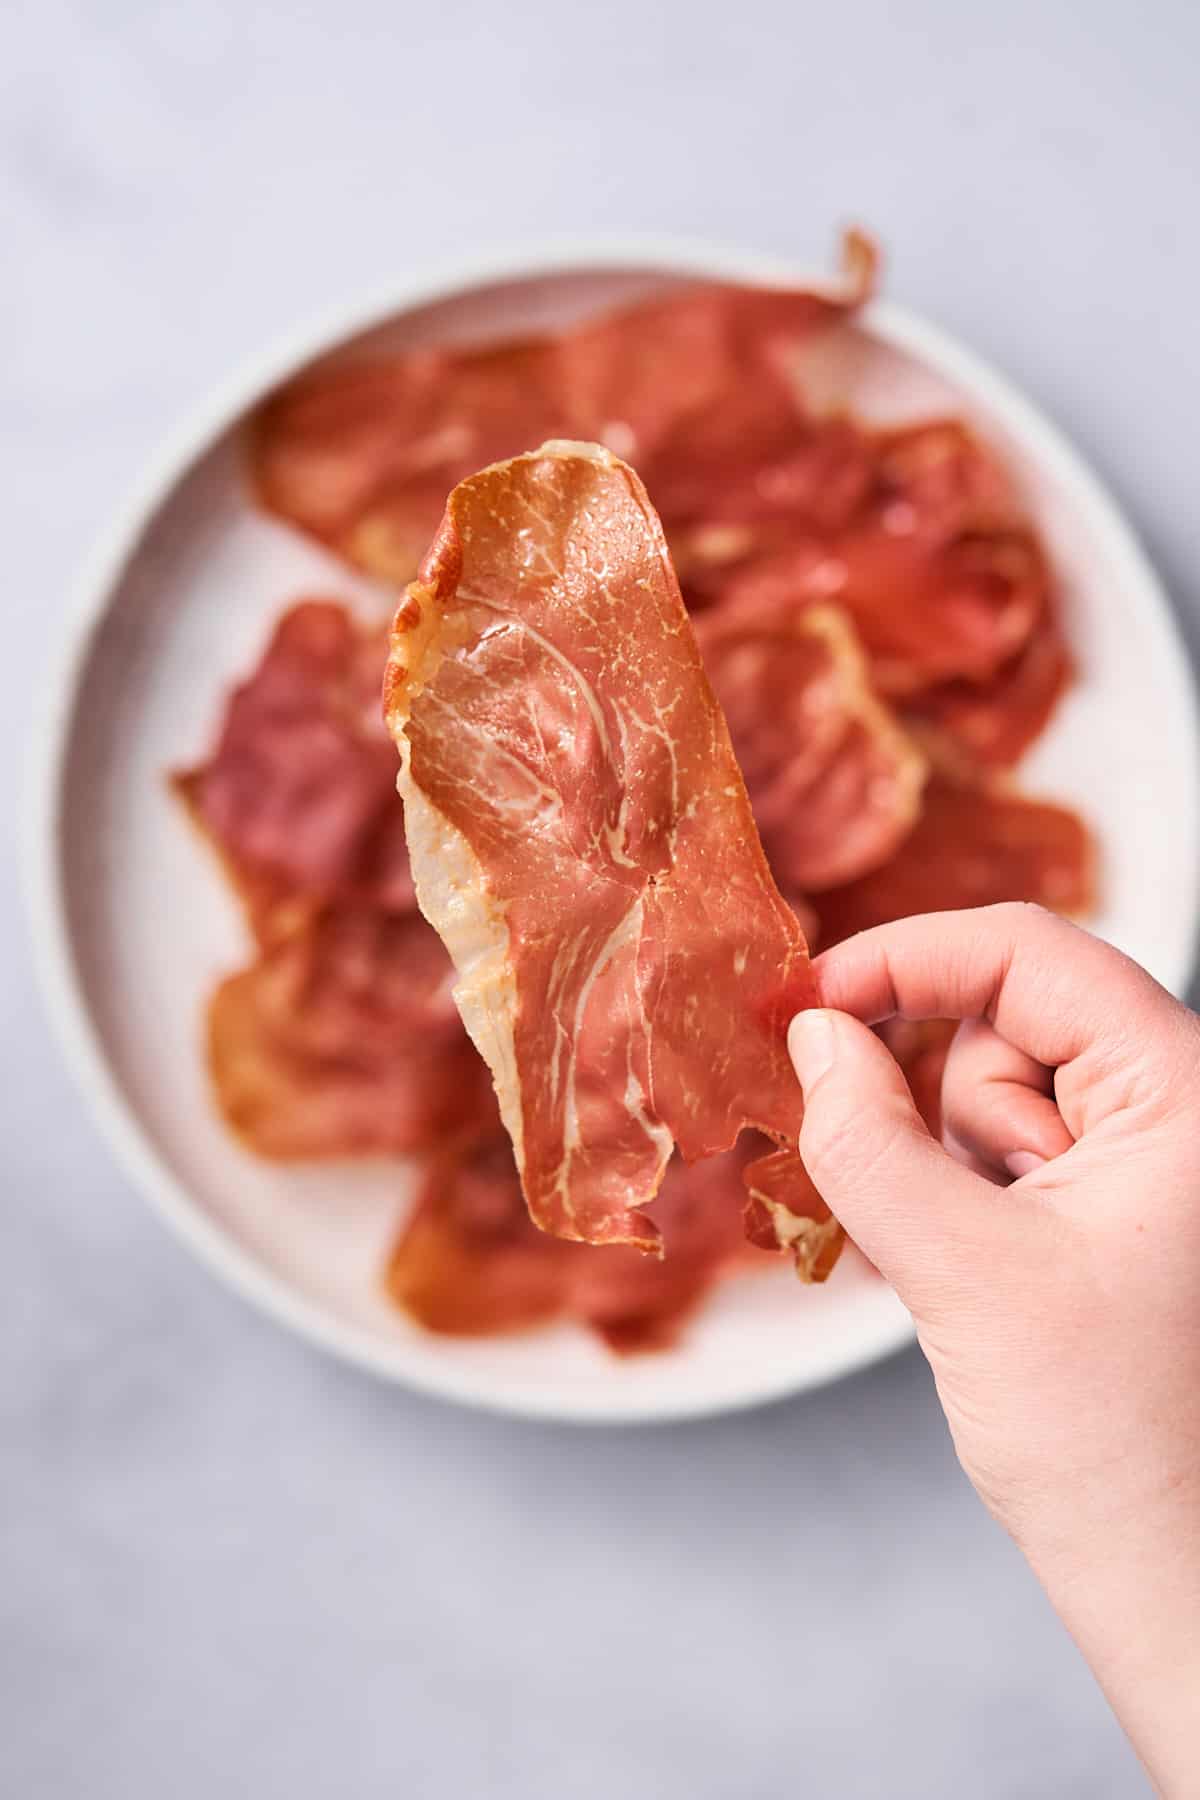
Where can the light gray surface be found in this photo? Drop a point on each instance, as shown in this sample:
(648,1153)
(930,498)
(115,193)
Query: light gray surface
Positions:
(227,1566)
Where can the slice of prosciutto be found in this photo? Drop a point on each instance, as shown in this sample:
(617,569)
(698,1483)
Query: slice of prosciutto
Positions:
(470,1263)
(342,1040)
(582,840)
(298,793)
(834,781)
(995,722)
(976,843)
(914,533)
(696,385)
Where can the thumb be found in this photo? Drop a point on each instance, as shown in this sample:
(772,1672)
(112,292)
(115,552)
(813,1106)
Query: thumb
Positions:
(919,1215)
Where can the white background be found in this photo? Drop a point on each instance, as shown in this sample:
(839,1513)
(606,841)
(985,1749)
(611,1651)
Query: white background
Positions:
(227,1565)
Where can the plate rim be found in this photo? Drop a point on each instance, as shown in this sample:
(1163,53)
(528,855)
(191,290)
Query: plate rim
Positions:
(71,1020)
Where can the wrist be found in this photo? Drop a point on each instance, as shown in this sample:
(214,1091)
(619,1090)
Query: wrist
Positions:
(1129,1594)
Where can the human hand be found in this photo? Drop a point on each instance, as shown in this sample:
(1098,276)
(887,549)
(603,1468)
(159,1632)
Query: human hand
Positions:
(1061,1312)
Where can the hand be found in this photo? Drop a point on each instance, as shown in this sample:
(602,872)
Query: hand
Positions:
(1060,1310)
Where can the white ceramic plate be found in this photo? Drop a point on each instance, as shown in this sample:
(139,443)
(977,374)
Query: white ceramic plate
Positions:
(135,926)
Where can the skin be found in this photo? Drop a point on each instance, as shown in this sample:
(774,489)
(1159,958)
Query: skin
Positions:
(1050,1256)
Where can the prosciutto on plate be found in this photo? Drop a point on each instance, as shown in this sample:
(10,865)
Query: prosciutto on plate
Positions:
(882,629)
(834,781)
(995,721)
(925,552)
(342,1039)
(975,843)
(698,386)
(361,451)
(298,793)
(582,840)
(470,1262)
(362,454)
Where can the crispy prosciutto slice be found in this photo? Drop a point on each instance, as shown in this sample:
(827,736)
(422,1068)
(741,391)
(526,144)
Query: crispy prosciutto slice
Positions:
(927,610)
(342,1040)
(975,843)
(298,793)
(362,454)
(693,384)
(471,1263)
(834,781)
(582,840)
(995,722)
(698,386)
(728,513)
(914,533)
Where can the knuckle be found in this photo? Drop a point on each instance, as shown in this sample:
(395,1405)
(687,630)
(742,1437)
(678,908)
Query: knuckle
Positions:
(1023,915)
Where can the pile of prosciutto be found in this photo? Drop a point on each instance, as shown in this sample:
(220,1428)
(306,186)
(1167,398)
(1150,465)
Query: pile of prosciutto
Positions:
(878,622)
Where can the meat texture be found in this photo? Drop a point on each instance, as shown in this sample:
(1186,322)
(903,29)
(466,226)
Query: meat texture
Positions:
(341,1040)
(582,840)
(361,452)
(298,793)
(994,722)
(883,633)
(926,553)
(975,843)
(471,1263)
(835,782)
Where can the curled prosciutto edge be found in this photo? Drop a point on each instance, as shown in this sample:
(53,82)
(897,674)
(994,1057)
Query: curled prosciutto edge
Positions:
(582,841)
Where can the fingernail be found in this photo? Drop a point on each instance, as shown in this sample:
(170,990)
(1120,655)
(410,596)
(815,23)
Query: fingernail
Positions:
(1024,1162)
(810,1040)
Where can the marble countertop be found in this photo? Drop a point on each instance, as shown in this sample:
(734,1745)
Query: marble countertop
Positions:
(228,1565)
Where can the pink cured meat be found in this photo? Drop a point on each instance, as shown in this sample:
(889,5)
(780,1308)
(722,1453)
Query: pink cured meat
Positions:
(469,1263)
(581,838)
(926,611)
(835,783)
(694,384)
(914,533)
(362,454)
(995,722)
(362,451)
(976,843)
(341,1039)
(298,793)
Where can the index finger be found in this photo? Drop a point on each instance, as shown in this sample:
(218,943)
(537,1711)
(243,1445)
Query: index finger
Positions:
(1048,986)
